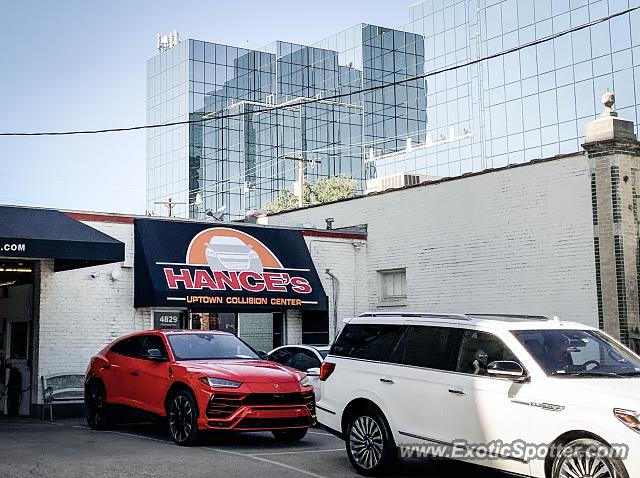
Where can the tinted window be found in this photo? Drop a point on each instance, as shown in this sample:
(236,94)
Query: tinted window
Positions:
(304,359)
(479,349)
(282,356)
(128,347)
(203,346)
(367,341)
(430,347)
(153,342)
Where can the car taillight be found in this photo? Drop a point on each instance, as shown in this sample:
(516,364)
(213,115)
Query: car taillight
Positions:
(326,369)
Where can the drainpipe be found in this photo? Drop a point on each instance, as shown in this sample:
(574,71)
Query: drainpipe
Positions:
(336,291)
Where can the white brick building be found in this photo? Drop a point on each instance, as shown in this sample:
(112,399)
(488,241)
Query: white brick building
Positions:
(516,240)
(72,314)
(552,237)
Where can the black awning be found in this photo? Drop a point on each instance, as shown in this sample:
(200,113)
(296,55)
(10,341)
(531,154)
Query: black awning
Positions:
(224,267)
(27,233)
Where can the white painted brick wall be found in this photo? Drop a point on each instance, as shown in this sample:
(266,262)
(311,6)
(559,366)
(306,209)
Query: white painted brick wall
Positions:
(518,240)
(293,327)
(346,259)
(256,330)
(79,315)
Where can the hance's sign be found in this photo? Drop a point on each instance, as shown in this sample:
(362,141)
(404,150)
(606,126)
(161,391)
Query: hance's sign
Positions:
(224,267)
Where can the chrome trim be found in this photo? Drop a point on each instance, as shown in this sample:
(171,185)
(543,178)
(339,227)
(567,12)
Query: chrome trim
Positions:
(550,407)
(325,409)
(465,374)
(453,445)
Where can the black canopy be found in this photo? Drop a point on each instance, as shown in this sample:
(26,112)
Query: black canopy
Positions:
(27,233)
(224,267)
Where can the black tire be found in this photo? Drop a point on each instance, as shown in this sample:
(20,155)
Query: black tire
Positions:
(369,441)
(97,412)
(577,459)
(182,418)
(290,436)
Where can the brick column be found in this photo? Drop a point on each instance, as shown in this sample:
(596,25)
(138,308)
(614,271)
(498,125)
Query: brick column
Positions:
(614,159)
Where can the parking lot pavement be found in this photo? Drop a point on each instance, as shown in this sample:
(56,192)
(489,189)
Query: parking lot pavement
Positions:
(68,448)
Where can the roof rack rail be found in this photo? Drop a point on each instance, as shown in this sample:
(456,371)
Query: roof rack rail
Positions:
(514,316)
(435,315)
(425,315)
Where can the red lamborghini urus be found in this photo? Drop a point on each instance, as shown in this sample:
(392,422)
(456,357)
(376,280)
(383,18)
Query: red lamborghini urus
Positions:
(198,381)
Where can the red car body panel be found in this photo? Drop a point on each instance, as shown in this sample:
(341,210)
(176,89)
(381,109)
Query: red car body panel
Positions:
(270,397)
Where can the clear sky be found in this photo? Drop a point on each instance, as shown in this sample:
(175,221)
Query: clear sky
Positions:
(80,64)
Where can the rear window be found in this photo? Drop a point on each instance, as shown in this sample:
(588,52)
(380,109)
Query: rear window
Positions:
(367,341)
(130,347)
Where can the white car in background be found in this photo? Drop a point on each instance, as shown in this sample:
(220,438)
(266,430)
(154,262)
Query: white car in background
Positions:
(526,395)
(306,358)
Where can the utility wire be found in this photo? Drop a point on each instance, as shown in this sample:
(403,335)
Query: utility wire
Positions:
(337,96)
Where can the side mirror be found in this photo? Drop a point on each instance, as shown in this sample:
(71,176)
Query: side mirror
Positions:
(505,369)
(313,372)
(262,354)
(155,354)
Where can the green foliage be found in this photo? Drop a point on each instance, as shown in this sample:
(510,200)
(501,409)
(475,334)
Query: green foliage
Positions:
(322,191)
(284,201)
(332,189)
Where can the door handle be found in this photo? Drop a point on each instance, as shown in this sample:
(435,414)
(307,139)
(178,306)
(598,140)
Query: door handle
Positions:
(135,374)
(457,392)
(106,367)
(387,380)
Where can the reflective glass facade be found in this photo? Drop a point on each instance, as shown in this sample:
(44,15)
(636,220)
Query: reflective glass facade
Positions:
(168,100)
(528,104)
(248,115)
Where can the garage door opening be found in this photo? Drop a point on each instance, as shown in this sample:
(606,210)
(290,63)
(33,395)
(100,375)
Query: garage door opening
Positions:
(16,336)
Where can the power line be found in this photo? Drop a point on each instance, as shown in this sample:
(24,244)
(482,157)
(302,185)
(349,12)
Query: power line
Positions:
(337,96)
(264,165)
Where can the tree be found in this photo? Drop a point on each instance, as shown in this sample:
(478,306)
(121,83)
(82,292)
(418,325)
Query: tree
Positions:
(284,201)
(319,192)
(332,189)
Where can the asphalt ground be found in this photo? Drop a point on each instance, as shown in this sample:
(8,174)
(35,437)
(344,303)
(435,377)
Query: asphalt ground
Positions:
(67,448)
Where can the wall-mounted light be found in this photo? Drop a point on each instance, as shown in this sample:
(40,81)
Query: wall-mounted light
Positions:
(114,275)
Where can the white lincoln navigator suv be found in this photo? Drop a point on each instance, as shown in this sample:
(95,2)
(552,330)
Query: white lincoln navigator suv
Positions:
(527,395)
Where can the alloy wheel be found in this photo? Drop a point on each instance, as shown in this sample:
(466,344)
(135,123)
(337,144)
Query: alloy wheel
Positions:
(181,419)
(95,407)
(585,465)
(366,442)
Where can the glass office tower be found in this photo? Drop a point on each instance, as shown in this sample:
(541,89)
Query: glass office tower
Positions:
(525,105)
(252,113)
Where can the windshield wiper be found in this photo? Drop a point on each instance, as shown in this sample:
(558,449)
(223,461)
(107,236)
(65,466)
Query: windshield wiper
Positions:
(635,373)
(586,373)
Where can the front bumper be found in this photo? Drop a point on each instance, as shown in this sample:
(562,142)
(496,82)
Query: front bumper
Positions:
(256,408)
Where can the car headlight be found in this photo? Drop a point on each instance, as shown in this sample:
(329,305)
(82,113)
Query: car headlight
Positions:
(629,418)
(305,381)
(220,382)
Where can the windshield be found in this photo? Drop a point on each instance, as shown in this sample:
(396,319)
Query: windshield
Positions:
(203,346)
(582,353)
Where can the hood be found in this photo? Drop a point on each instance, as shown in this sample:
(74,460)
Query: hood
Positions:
(246,371)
